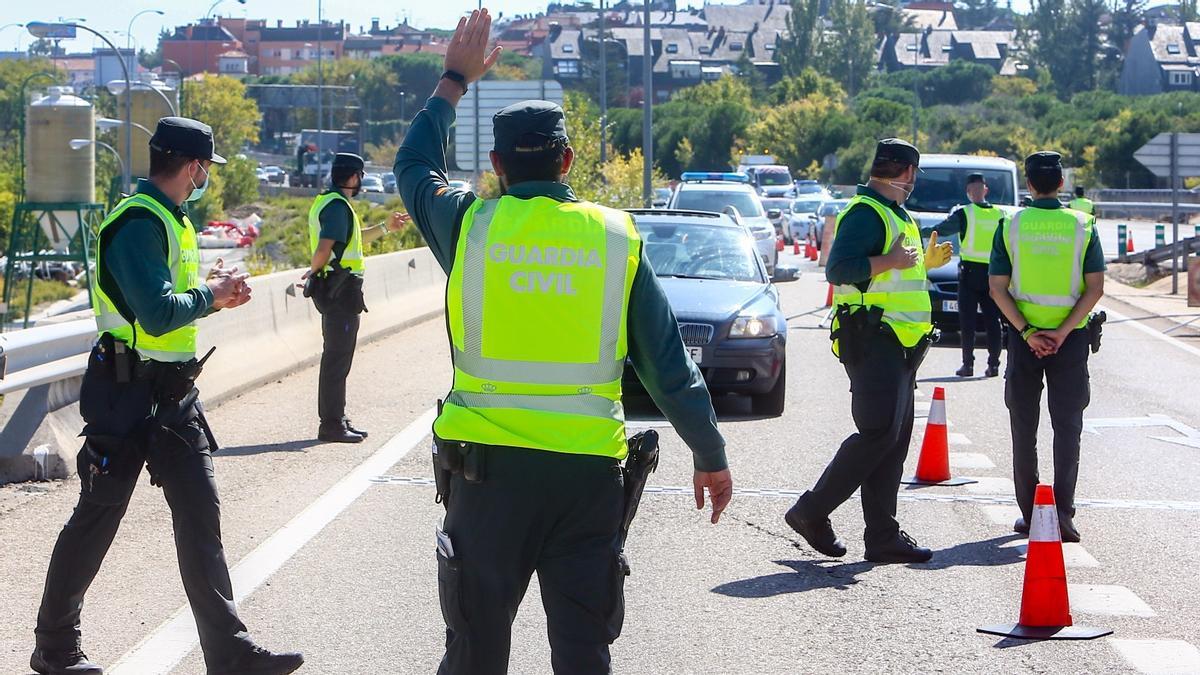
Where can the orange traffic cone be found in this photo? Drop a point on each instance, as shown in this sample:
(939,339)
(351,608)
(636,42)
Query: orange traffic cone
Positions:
(1129,243)
(1045,607)
(795,247)
(933,466)
(829,297)
(812,252)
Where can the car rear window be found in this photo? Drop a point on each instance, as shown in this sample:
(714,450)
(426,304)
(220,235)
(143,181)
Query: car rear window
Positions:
(716,201)
(697,250)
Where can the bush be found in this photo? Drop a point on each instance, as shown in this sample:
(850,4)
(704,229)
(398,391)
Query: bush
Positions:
(239,183)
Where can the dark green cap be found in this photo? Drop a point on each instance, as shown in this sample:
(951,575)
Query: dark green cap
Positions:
(1044,161)
(187,137)
(348,160)
(897,150)
(976,177)
(529,126)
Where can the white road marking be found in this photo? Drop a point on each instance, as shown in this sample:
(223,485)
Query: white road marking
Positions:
(1074,555)
(970,460)
(1190,437)
(990,485)
(1138,325)
(1109,600)
(160,651)
(955,438)
(1159,657)
(1002,515)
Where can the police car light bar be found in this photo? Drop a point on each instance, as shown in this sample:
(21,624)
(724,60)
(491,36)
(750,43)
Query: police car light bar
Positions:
(721,176)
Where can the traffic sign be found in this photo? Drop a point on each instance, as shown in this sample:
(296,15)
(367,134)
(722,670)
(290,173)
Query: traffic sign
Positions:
(1156,155)
(51,31)
(475,115)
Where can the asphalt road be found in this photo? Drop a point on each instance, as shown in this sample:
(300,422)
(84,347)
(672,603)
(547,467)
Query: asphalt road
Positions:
(332,546)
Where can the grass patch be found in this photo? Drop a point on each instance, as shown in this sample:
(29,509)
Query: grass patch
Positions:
(45,293)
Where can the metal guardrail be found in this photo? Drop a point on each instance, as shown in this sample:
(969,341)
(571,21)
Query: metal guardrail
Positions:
(44,354)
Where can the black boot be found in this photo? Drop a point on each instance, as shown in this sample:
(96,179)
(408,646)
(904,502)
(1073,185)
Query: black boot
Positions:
(70,662)
(901,549)
(350,426)
(818,532)
(259,661)
(337,432)
(965,371)
(1067,529)
(1021,526)
(992,371)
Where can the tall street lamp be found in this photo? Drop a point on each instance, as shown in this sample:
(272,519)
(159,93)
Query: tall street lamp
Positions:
(647,112)
(10,25)
(178,69)
(81,143)
(107,123)
(66,30)
(207,16)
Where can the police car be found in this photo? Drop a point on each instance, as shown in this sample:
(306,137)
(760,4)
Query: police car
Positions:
(731,193)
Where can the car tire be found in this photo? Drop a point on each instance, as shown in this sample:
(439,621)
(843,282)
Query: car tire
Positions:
(772,402)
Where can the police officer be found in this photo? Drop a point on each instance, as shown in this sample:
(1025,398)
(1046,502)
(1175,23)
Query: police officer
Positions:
(1082,203)
(1047,273)
(336,238)
(976,224)
(140,407)
(546,297)
(881,333)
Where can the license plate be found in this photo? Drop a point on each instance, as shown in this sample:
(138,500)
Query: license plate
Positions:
(697,354)
(949,305)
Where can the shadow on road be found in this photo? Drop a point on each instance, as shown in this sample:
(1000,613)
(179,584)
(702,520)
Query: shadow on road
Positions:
(286,446)
(986,553)
(805,575)
(951,378)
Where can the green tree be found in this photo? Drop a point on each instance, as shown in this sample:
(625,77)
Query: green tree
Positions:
(807,82)
(975,14)
(240,182)
(617,182)
(795,47)
(846,52)
(221,102)
(804,131)
(513,66)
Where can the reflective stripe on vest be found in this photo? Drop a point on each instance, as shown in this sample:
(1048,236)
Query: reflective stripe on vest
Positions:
(982,223)
(1043,245)
(536,304)
(352,257)
(183,259)
(903,294)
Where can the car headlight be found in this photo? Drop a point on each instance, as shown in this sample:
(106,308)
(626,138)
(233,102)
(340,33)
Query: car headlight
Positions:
(752,327)
(763,233)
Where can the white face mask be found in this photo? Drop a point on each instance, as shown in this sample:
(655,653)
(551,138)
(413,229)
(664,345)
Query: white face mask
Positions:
(906,188)
(198,191)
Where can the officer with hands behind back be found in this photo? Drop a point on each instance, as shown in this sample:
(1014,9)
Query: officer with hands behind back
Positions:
(1047,273)
(141,407)
(881,333)
(546,296)
(334,282)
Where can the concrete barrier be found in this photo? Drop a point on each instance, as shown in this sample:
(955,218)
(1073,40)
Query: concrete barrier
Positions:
(276,334)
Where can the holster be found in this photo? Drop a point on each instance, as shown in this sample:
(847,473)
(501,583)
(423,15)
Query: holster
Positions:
(917,354)
(336,291)
(854,328)
(641,462)
(1095,329)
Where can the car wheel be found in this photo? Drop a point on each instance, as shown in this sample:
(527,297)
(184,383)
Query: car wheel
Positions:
(771,403)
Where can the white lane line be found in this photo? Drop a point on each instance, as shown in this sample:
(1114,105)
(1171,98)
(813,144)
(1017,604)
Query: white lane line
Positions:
(955,438)
(160,651)
(1002,515)
(1137,324)
(1109,600)
(970,460)
(1074,555)
(1159,657)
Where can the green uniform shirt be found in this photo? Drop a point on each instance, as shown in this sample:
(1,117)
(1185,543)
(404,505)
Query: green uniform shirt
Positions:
(336,222)
(1001,265)
(135,275)
(859,237)
(670,377)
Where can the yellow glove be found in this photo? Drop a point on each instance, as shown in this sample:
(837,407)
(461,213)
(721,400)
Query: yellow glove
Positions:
(937,254)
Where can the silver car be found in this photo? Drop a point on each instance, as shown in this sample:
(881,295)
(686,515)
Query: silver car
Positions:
(726,193)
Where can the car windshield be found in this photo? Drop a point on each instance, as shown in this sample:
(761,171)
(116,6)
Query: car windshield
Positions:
(775,203)
(809,188)
(832,208)
(695,250)
(805,206)
(716,201)
(941,189)
(774,178)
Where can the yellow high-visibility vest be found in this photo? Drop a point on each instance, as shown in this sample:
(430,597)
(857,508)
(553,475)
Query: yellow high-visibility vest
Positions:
(352,257)
(1083,204)
(1047,247)
(982,222)
(536,306)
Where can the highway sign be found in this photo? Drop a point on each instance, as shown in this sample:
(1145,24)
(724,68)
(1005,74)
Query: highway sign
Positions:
(51,31)
(476,116)
(1156,155)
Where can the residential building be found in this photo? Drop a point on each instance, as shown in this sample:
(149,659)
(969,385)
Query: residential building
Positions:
(934,48)
(108,65)
(234,63)
(283,50)
(197,48)
(1161,58)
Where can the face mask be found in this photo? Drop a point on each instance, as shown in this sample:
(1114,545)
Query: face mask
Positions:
(906,188)
(198,192)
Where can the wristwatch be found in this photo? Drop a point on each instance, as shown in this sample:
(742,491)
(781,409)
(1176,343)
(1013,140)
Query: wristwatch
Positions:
(455,76)
(1029,329)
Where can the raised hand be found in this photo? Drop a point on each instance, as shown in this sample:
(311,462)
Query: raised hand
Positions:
(900,257)
(937,254)
(398,221)
(467,52)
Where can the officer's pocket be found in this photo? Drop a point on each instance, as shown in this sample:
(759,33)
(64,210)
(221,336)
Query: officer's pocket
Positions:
(108,468)
(450,592)
(615,620)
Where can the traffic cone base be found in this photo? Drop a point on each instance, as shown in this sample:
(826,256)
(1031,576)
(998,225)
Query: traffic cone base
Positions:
(933,466)
(1016,630)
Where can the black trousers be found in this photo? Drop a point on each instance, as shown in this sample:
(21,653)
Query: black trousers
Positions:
(973,295)
(552,513)
(340,333)
(882,388)
(1066,377)
(181,462)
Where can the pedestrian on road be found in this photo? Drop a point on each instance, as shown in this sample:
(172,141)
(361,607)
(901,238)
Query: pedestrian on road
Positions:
(881,332)
(1082,203)
(547,296)
(335,282)
(976,224)
(1047,273)
(140,406)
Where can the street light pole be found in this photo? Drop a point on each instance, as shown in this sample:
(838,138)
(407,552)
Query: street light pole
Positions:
(320,103)
(129,87)
(178,69)
(603,89)
(647,112)
(80,143)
